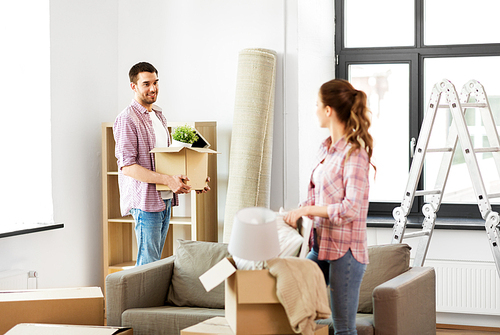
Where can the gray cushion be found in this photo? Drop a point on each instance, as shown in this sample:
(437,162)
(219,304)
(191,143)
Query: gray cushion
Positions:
(386,262)
(166,320)
(192,259)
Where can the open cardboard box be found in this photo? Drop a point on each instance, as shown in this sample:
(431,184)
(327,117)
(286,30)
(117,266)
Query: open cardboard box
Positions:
(251,304)
(219,326)
(49,329)
(191,162)
(77,306)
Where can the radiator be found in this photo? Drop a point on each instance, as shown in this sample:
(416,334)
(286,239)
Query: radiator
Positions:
(466,287)
(18,280)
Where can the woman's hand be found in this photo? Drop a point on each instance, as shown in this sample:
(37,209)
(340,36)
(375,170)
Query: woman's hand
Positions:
(293,216)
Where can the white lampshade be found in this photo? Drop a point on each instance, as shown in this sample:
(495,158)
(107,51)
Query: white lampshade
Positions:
(254,235)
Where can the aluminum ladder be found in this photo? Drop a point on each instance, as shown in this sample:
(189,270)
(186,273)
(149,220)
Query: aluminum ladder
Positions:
(458,132)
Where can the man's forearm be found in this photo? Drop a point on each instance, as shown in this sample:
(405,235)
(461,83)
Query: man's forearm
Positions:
(140,173)
(175,183)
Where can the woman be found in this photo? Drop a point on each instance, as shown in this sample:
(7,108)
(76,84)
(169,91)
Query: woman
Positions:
(337,198)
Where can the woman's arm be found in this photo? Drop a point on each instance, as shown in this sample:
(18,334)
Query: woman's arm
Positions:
(293,216)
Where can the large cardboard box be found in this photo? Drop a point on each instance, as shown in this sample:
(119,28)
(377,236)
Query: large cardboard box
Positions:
(219,326)
(251,304)
(77,306)
(49,329)
(191,162)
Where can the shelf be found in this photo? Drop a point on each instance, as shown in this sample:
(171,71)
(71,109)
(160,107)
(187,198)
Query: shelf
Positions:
(198,221)
(125,219)
(121,266)
(180,220)
(173,220)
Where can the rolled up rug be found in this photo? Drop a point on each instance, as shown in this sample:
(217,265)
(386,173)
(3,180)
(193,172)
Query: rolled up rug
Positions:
(250,157)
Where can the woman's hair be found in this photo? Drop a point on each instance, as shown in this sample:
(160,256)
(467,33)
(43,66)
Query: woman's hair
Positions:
(351,109)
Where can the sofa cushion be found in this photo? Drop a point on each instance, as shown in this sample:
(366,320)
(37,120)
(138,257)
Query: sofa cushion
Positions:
(192,259)
(166,320)
(386,262)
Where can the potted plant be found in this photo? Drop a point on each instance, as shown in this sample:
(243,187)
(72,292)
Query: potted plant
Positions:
(184,136)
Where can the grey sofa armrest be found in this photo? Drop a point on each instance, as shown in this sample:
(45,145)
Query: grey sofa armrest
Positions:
(141,286)
(406,304)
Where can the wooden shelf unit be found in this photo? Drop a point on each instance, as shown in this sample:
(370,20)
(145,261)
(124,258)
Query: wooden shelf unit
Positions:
(119,245)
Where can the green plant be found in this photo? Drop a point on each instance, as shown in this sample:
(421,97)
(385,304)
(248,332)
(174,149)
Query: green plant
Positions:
(185,134)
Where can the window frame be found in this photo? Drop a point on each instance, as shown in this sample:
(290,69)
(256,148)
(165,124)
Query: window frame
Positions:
(414,56)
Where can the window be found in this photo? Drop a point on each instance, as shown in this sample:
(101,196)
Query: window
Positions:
(396,56)
(25,141)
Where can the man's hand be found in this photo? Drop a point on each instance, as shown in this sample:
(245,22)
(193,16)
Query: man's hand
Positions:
(177,184)
(205,189)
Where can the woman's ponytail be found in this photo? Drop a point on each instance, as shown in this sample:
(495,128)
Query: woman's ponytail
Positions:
(351,107)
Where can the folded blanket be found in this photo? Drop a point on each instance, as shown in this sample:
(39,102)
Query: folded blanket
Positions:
(300,287)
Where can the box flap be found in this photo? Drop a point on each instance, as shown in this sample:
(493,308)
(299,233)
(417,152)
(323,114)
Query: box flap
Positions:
(51,294)
(167,149)
(178,149)
(204,150)
(217,274)
(49,329)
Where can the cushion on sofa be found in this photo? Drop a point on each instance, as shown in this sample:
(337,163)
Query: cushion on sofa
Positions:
(386,262)
(192,259)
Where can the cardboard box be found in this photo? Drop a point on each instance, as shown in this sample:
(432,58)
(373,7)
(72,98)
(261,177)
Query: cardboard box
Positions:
(48,329)
(219,326)
(77,306)
(251,304)
(191,162)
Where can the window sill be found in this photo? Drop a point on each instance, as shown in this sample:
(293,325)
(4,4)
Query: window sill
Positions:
(21,229)
(416,222)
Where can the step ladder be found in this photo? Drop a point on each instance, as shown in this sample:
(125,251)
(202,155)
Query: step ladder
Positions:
(458,132)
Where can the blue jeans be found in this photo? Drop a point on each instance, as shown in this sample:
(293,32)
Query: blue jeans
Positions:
(151,230)
(344,276)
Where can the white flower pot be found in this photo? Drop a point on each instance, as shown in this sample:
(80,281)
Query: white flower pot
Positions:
(180,144)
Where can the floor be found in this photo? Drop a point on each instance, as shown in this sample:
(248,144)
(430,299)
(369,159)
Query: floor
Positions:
(464,332)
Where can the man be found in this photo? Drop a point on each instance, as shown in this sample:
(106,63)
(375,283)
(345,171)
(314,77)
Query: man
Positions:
(137,130)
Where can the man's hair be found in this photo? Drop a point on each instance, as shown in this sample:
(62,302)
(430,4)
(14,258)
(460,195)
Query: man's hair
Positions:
(138,68)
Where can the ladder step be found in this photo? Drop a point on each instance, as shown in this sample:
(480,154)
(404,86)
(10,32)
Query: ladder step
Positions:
(467,105)
(424,192)
(494,195)
(490,149)
(440,150)
(417,234)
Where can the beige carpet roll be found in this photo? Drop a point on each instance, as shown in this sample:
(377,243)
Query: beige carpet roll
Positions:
(249,182)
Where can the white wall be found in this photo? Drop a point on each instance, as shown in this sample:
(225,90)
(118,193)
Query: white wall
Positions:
(316,66)
(83,94)
(83,67)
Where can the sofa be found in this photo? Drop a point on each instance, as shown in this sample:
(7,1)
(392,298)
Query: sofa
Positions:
(166,296)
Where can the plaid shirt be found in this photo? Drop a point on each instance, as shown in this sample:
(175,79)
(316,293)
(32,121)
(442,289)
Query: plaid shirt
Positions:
(343,187)
(135,138)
